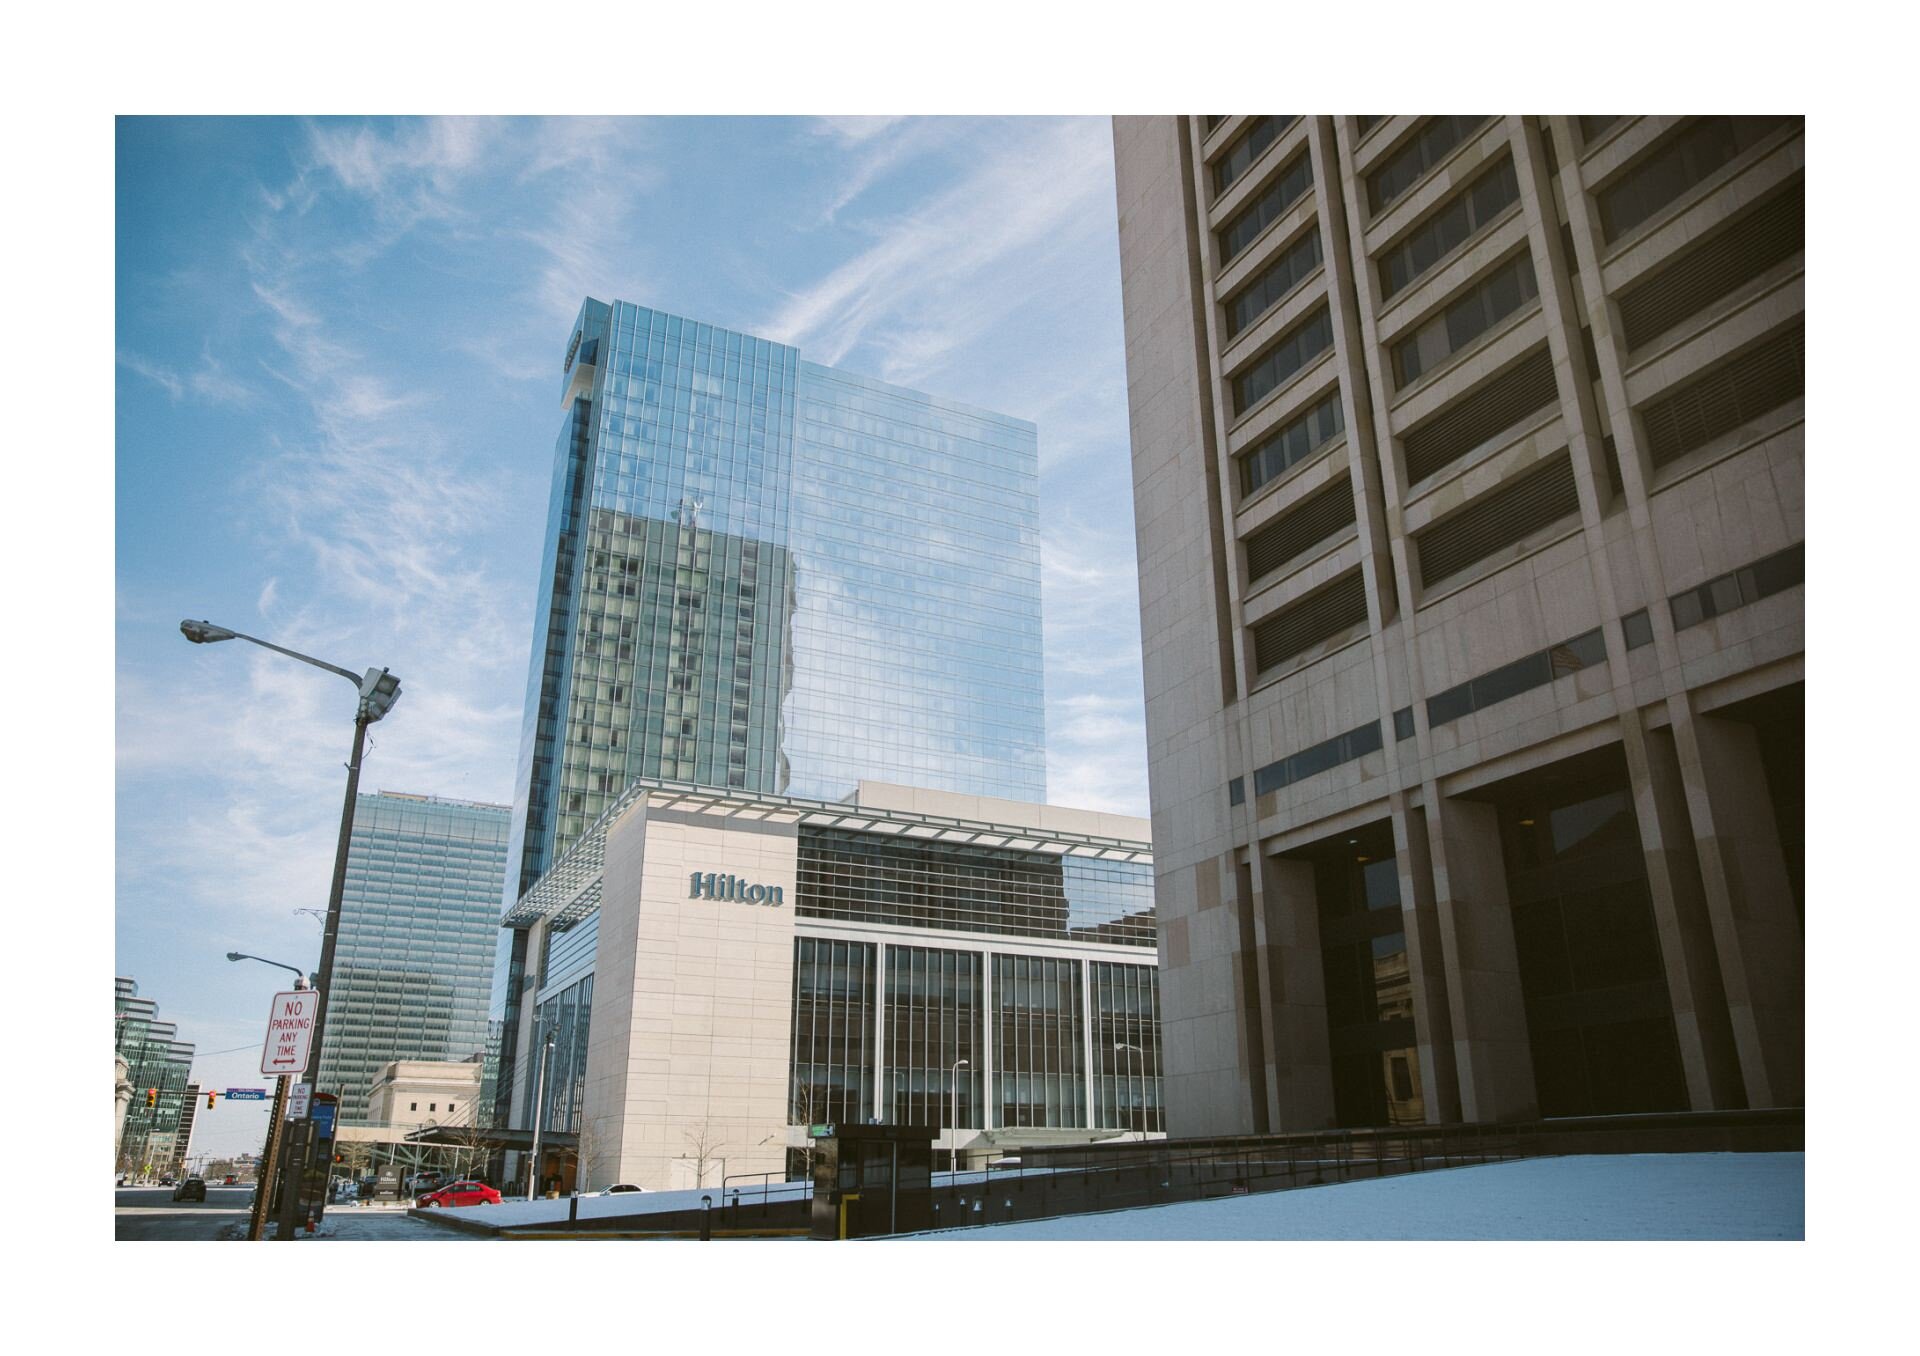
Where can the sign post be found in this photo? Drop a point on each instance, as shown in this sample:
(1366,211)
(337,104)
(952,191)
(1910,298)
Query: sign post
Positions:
(288,1047)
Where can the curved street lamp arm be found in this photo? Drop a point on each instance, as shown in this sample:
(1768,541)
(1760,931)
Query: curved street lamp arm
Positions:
(348,674)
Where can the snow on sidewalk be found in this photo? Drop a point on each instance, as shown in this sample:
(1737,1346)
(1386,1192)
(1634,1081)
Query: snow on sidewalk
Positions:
(1609,1196)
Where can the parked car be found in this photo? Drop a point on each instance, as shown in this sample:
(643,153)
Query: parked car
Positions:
(460,1193)
(190,1189)
(619,1187)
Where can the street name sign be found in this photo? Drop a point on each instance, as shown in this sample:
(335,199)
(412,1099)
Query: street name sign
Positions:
(246,1094)
(298,1100)
(290,1032)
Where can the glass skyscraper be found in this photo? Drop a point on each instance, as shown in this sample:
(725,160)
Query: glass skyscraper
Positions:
(418,920)
(152,1138)
(766,575)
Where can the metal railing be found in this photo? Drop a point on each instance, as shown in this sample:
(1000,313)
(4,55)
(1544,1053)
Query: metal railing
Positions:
(1060,1180)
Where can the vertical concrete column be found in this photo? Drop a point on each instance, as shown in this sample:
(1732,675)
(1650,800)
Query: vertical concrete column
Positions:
(1426,963)
(1755,925)
(1490,1046)
(1299,1056)
(1692,961)
(1255,997)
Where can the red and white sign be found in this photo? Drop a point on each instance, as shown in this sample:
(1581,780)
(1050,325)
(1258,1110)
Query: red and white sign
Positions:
(290,1032)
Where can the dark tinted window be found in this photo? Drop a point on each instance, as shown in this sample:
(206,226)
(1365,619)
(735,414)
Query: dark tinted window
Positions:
(1446,230)
(1267,208)
(1425,149)
(1292,444)
(1675,164)
(1273,282)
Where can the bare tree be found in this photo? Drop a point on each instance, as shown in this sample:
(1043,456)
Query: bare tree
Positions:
(703,1150)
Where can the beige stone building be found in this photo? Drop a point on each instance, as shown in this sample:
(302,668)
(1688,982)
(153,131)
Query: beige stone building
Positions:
(764,964)
(1468,477)
(411,1094)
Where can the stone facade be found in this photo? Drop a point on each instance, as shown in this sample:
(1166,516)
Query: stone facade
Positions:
(1646,626)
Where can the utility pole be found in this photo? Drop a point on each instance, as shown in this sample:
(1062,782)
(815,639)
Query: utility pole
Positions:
(263,1178)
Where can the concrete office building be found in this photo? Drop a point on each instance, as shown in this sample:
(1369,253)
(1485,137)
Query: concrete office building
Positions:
(766,963)
(419,916)
(1468,477)
(765,575)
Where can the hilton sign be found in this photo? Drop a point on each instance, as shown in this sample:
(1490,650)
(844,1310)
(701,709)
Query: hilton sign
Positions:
(715,885)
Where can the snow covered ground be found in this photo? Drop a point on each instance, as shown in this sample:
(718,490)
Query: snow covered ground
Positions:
(1611,1196)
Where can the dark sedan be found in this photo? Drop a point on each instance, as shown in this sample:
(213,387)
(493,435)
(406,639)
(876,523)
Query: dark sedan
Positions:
(190,1189)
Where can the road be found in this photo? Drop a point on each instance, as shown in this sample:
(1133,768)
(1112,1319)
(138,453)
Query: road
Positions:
(141,1213)
(151,1212)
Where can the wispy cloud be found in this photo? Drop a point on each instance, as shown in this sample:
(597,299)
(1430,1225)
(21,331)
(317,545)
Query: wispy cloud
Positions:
(210,383)
(160,375)
(944,274)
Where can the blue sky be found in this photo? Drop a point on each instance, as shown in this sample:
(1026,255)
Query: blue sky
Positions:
(338,351)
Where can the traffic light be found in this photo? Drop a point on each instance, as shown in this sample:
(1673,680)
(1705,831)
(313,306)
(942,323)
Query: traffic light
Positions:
(339,1158)
(210,1097)
(153,1096)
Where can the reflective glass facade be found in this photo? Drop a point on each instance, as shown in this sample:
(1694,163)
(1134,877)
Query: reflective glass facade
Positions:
(862,877)
(418,923)
(771,576)
(153,1138)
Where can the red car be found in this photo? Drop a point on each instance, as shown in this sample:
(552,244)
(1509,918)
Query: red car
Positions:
(461,1193)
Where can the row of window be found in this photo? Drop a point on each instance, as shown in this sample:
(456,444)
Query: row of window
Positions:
(1461,217)
(1295,441)
(1247,148)
(1749,584)
(1682,159)
(1274,282)
(1275,367)
(1495,297)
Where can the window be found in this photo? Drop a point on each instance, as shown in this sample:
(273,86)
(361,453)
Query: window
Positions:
(1522,675)
(1638,629)
(1318,758)
(1272,369)
(1484,305)
(1273,282)
(1466,213)
(1403,723)
(1269,207)
(1675,165)
(1292,444)
(1749,584)
(1246,148)
(452,1107)
(1487,412)
(1427,148)
(413,1106)
(1594,125)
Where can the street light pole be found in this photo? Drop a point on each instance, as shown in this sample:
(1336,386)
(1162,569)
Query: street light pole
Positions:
(378,690)
(953,1129)
(539,1110)
(1125,1045)
(270,1155)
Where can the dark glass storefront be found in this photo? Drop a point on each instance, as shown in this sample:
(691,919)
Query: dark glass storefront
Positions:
(1363,954)
(1598,1014)
(933,1020)
(831,1074)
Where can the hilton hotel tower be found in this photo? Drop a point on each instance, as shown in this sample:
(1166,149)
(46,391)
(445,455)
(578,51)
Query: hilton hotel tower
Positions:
(1468,485)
